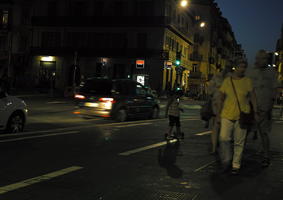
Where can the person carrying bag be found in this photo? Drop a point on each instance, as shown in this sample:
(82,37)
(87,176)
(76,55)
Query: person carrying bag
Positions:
(235,93)
(246,120)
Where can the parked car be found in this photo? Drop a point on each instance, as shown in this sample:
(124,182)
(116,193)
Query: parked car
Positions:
(119,99)
(13,113)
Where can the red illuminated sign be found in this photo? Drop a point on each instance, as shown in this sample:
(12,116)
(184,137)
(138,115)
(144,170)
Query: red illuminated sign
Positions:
(140,64)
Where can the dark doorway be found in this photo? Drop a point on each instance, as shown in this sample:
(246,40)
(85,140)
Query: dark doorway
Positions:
(47,75)
(98,70)
(119,71)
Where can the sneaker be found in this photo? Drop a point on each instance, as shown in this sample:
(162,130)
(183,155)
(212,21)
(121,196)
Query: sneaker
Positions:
(170,137)
(235,171)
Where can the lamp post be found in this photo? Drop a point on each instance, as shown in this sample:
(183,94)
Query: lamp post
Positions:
(202,24)
(75,71)
(198,34)
(184,3)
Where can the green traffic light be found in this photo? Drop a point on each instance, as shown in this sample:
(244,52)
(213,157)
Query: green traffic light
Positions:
(178,62)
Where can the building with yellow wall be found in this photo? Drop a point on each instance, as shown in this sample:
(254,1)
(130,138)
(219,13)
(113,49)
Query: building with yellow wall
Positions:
(279,56)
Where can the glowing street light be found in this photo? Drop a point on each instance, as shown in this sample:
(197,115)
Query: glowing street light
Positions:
(184,3)
(276,53)
(202,24)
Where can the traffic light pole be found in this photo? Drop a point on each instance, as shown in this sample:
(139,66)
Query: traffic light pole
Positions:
(75,71)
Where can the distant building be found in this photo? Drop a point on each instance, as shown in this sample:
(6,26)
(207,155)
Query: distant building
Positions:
(279,56)
(215,46)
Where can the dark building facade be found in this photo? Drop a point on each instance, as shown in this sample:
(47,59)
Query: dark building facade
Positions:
(5,36)
(54,44)
(117,39)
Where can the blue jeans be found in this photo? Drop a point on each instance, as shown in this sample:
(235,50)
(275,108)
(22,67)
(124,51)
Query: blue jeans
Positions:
(228,129)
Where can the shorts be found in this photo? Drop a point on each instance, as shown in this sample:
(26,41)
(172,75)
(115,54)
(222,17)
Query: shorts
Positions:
(265,124)
(174,121)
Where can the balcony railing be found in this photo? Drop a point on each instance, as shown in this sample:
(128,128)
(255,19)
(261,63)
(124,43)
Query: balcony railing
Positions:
(196,75)
(99,21)
(98,52)
(196,57)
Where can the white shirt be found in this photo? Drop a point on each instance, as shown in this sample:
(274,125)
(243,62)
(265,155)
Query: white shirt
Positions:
(265,82)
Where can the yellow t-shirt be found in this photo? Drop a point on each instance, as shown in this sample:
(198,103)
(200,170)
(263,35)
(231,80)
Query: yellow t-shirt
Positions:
(243,87)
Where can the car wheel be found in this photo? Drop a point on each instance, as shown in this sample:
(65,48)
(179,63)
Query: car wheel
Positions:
(121,115)
(155,113)
(16,123)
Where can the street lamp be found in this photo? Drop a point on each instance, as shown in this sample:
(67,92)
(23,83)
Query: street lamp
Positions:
(276,53)
(184,3)
(202,24)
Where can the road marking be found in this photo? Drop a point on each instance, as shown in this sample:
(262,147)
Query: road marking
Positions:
(127,153)
(205,166)
(203,133)
(63,129)
(91,126)
(131,125)
(130,152)
(38,136)
(28,182)
(56,102)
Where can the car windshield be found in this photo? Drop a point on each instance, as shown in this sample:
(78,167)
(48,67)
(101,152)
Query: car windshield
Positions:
(97,87)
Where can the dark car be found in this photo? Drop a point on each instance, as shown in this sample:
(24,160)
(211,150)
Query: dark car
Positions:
(119,99)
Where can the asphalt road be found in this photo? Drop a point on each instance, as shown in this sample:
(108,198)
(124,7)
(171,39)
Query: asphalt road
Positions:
(61,156)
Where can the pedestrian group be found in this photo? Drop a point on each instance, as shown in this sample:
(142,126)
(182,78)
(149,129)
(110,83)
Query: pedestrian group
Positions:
(242,102)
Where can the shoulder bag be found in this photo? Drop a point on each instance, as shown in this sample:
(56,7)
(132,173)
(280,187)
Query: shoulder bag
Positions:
(246,119)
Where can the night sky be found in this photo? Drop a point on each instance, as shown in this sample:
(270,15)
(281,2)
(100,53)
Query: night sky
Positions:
(256,23)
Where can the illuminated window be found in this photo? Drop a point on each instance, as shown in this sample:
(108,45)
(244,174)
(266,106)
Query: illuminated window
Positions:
(197,17)
(4,15)
(195,68)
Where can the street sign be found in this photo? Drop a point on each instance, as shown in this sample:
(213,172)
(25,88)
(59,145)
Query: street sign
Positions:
(168,64)
(141,79)
(140,64)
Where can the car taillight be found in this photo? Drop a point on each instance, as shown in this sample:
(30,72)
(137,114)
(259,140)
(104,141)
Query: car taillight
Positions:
(79,96)
(105,100)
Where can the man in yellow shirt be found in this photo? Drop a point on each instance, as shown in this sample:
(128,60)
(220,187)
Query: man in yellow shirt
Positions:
(229,114)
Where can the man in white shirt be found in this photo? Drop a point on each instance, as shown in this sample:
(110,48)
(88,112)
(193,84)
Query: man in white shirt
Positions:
(265,84)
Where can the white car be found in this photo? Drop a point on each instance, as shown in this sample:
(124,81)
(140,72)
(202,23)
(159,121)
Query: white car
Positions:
(13,113)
